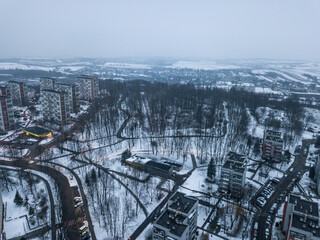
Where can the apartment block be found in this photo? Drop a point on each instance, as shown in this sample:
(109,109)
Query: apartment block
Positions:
(47,83)
(70,90)
(55,106)
(272,146)
(2,234)
(316,176)
(178,221)
(87,87)
(5,91)
(301,219)
(6,113)
(233,174)
(19,93)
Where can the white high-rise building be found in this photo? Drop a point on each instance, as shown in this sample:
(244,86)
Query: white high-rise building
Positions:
(87,87)
(47,83)
(6,111)
(19,93)
(233,174)
(70,90)
(55,106)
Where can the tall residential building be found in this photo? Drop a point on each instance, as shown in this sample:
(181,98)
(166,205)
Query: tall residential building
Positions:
(316,177)
(301,219)
(179,219)
(233,174)
(47,83)
(19,93)
(272,146)
(5,91)
(70,90)
(6,113)
(87,87)
(55,106)
(2,234)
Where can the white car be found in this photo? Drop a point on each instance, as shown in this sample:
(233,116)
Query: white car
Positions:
(267,232)
(79,204)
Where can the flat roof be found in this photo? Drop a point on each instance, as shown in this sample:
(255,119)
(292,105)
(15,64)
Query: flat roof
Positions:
(158,165)
(13,81)
(236,157)
(273,136)
(48,78)
(51,91)
(172,222)
(86,76)
(173,163)
(304,206)
(180,202)
(306,224)
(65,84)
(37,131)
(236,166)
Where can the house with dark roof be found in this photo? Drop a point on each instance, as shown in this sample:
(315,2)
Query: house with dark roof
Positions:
(159,169)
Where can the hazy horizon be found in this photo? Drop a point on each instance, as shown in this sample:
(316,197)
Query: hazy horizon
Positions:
(214,30)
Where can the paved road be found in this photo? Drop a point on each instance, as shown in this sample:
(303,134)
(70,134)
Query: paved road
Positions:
(84,199)
(65,192)
(292,175)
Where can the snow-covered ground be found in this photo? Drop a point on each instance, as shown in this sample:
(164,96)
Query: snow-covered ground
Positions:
(18,220)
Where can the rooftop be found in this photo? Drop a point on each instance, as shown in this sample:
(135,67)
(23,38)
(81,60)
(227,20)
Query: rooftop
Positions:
(182,203)
(37,131)
(173,163)
(86,76)
(304,206)
(51,91)
(172,221)
(306,224)
(47,78)
(273,136)
(65,84)
(158,165)
(236,157)
(236,166)
(13,81)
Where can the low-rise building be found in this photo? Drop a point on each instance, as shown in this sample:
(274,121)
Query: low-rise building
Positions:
(153,167)
(19,93)
(38,132)
(55,106)
(87,87)
(159,169)
(178,221)
(301,219)
(233,174)
(70,90)
(272,146)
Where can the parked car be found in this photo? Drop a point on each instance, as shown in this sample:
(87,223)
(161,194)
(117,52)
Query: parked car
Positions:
(88,236)
(79,204)
(83,228)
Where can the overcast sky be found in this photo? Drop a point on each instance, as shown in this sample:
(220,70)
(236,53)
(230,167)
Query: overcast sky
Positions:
(277,29)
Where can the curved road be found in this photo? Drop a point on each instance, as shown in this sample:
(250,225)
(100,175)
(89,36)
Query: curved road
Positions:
(291,177)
